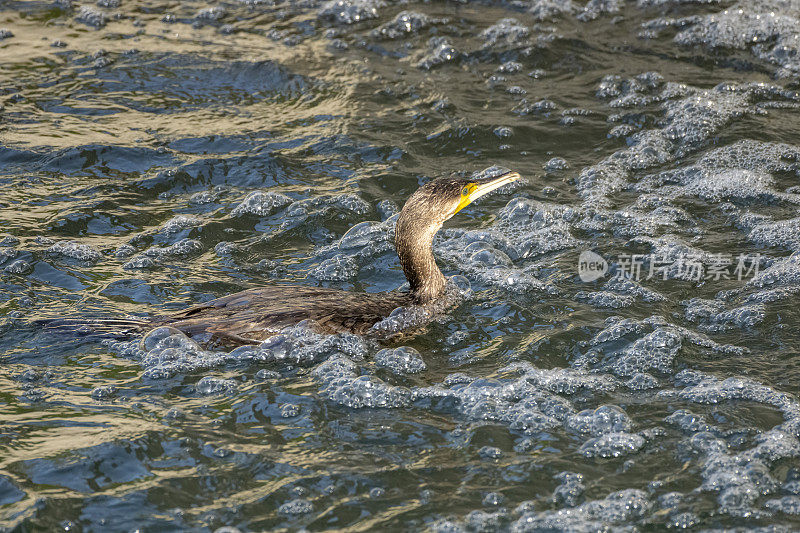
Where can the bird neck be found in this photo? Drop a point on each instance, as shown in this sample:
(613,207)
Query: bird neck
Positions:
(414,243)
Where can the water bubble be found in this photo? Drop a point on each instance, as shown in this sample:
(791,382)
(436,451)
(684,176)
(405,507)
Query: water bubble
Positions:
(493,499)
(211,14)
(211,385)
(604,419)
(91,17)
(571,490)
(404,23)
(337,268)
(267,375)
(612,445)
(440,51)
(161,337)
(289,410)
(261,204)
(402,360)
(556,163)
(506,32)
(77,251)
(179,223)
(20,266)
(490,452)
(296,507)
(105,392)
(350,11)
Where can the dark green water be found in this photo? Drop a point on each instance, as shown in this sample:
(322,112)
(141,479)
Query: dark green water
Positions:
(157,154)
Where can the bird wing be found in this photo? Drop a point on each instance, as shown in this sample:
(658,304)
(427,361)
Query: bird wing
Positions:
(255,314)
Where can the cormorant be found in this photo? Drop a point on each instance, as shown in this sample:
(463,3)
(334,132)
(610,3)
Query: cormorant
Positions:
(252,315)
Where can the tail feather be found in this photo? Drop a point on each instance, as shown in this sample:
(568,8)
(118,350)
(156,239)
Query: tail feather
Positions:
(114,327)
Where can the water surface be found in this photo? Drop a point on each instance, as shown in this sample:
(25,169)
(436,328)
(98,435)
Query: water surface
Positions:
(158,154)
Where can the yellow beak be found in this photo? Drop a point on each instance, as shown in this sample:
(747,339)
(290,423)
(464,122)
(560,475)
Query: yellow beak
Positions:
(475,190)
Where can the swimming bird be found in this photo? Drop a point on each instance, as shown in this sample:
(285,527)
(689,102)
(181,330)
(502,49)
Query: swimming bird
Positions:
(252,315)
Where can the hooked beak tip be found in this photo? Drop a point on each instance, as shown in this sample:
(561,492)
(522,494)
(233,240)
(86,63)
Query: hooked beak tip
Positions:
(490,184)
(487,186)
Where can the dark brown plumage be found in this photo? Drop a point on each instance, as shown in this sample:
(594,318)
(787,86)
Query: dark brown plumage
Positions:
(255,314)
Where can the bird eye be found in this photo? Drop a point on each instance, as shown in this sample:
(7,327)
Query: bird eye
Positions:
(465,191)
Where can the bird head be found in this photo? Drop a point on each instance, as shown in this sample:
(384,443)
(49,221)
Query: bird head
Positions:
(442,198)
